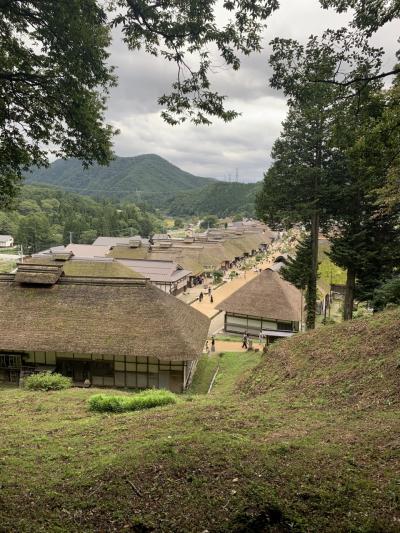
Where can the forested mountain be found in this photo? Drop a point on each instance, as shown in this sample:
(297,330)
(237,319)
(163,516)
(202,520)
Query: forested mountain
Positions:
(138,177)
(45,216)
(153,180)
(219,198)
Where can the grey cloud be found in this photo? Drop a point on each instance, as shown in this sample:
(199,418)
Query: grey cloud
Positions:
(219,149)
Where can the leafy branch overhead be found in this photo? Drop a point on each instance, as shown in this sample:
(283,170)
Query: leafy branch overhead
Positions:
(54,78)
(187,32)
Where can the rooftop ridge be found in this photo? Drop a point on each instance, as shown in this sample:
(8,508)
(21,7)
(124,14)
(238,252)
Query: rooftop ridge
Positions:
(88,280)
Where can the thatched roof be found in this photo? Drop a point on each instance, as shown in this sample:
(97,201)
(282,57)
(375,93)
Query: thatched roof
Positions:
(96,269)
(101,316)
(197,256)
(267,295)
(92,268)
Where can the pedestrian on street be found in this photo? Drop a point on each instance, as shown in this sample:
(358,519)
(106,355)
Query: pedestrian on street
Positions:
(211,299)
(213,343)
(244,343)
(201,296)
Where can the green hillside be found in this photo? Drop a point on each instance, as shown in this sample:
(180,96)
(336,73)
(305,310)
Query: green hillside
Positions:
(44,216)
(152,180)
(219,198)
(125,177)
(304,439)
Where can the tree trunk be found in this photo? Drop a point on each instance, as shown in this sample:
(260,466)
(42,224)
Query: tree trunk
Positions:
(349,294)
(311,296)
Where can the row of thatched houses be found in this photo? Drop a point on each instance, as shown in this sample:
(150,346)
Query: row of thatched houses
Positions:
(114,321)
(105,312)
(173,264)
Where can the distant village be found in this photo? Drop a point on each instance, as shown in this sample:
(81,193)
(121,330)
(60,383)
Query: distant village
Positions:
(137,312)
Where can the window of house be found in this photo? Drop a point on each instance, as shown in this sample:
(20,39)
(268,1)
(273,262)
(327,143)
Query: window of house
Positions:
(101,368)
(285,326)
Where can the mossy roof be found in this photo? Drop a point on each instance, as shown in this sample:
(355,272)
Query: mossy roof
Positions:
(95,269)
(91,268)
(267,295)
(99,316)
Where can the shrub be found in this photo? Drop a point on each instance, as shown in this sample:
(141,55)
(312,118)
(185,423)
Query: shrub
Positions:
(217,275)
(147,399)
(46,381)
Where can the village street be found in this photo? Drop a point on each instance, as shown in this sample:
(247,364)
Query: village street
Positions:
(219,294)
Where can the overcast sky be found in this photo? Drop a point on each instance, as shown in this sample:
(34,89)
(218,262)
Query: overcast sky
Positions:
(216,150)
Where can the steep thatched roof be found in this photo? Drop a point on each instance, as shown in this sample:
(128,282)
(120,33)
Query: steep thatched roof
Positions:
(267,295)
(102,316)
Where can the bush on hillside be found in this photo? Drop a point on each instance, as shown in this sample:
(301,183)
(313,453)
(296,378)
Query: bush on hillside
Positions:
(46,381)
(107,403)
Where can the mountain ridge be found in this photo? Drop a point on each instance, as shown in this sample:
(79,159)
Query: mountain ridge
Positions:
(123,177)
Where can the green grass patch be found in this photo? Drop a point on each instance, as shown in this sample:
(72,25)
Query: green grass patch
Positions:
(203,374)
(46,381)
(7,266)
(107,403)
(232,367)
(229,338)
(9,251)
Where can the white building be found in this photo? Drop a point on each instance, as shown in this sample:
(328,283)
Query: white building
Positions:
(6,241)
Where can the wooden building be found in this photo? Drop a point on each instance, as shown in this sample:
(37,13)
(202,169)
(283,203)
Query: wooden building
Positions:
(267,303)
(116,329)
(168,276)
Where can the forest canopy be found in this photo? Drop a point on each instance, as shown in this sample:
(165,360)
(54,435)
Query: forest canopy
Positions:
(45,216)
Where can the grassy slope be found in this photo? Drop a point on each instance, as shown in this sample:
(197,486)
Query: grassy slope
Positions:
(308,441)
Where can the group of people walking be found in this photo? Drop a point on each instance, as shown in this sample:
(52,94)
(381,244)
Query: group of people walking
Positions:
(201,295)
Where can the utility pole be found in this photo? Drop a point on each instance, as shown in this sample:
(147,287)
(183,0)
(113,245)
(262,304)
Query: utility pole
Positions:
(70,237)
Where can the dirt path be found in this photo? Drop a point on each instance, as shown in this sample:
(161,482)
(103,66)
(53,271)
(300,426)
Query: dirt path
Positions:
(231,346)
(226,290)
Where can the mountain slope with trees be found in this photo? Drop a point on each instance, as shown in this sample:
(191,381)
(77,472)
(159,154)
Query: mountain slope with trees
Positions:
(219,198)
(125,177)
(45,216)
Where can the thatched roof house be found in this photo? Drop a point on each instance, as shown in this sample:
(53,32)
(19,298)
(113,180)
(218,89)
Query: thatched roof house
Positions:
(117,331)
(267,303)
(198,256)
